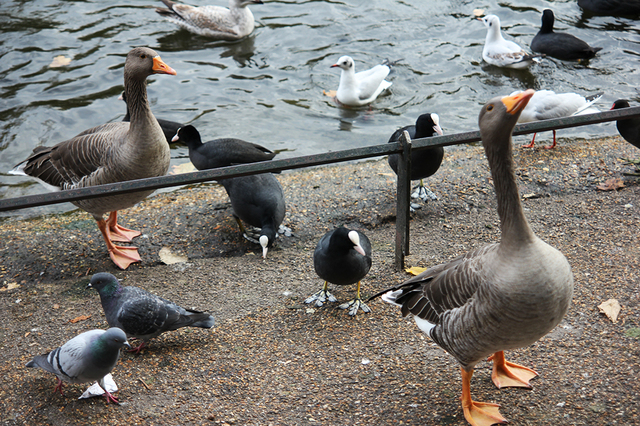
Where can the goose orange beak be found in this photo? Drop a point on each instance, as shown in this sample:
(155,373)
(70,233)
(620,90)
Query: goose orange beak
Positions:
(516,103)
(159,67)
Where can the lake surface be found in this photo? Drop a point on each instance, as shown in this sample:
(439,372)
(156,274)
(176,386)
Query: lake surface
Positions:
(268,88)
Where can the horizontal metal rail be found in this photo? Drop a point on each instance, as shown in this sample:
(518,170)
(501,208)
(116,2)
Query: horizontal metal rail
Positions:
(298,162)
(403,147)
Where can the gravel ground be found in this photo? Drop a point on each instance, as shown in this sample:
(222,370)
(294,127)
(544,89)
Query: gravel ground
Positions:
(271,360)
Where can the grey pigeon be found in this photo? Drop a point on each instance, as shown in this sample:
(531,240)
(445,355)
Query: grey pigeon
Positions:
(141,314)
(87,357)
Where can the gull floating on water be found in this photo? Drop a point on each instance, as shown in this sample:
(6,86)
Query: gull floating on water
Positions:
(500,52)
(233,23)
(361,88)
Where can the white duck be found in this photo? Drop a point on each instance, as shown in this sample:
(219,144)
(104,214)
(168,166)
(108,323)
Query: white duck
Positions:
(547,104)
(500,52)
(357,89)
(500,296)
(219,22)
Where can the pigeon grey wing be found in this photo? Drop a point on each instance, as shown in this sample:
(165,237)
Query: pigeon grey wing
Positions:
(42,361)
(178,317)
(70,361)
(145,316)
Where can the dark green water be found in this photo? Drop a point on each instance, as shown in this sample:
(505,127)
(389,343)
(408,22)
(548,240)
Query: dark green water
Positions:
(268,87)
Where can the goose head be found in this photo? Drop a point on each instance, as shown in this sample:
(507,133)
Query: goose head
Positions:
(499,116)
(142,62)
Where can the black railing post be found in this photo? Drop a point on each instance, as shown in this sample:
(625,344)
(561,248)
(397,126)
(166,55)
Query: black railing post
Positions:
(404,148)
(403,195)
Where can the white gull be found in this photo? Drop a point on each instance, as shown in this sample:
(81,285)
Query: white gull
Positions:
(500,52)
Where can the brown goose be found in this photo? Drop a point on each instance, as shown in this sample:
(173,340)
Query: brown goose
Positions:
(109,153)
(501,296)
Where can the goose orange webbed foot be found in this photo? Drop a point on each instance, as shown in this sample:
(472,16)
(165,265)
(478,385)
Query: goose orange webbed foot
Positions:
(508,374)
(483,414)
(124,256)
(478,413)
(117,232)
(121,256)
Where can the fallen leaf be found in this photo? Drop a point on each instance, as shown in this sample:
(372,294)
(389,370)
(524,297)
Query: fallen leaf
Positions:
(56,306)
(330,93)
(80,318)
(611,308)
(60,61)
(169,258)
(10,286)
(27,333)
(611,184)
(178,169)
(478,12)
(415,270)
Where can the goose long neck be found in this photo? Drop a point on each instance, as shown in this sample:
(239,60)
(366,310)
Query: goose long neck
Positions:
(515,228)
(137,101)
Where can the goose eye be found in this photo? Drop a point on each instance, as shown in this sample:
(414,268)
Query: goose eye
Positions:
(489,107)
(143,56)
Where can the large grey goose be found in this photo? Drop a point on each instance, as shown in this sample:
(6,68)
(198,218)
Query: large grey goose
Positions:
(500,296)
(109,153)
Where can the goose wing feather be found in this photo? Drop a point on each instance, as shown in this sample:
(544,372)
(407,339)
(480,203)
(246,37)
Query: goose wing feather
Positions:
(443,287)
(74,162)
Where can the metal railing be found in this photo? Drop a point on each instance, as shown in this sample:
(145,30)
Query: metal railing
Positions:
(402,147)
